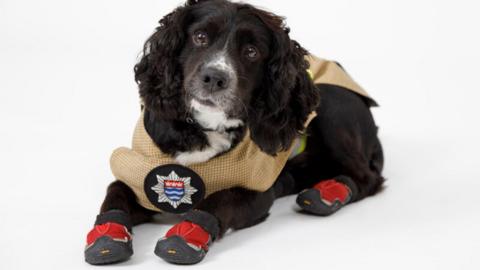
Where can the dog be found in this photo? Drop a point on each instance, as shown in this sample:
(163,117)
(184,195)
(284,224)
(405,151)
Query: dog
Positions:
(213,78)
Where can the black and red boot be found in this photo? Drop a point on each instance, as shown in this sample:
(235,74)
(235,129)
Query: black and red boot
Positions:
(328,196)
(188,241)
(110,240)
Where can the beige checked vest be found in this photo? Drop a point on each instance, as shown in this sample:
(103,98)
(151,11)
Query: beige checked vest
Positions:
(161,185)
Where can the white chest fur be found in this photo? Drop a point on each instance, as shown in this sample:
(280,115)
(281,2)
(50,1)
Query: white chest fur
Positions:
(218,143)
(212,118)
(218,139)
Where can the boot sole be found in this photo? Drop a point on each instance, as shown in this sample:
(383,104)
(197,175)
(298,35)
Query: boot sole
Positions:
(175,250)
(310,201)
(105,250)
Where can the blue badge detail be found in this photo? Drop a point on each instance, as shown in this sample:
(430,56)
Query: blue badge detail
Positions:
(174,188)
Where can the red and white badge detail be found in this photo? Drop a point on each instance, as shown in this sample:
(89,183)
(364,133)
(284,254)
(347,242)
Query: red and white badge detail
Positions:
(174,188)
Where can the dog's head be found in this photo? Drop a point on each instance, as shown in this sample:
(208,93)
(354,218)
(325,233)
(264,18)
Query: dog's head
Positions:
(232,58)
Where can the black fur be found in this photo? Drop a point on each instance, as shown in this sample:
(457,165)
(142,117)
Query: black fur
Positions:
(286,96)
(278,95)
(278,103)
(159,74)
(343,141)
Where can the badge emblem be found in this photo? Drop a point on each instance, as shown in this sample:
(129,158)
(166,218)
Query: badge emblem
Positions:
(174,188)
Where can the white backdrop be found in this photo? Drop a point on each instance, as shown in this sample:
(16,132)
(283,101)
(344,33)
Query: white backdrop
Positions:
(68,98)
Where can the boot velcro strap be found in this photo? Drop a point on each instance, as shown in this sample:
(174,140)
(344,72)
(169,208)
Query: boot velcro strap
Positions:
(207,221)
(116,216)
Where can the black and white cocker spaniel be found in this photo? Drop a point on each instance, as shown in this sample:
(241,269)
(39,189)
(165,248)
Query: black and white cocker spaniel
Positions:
(213,76)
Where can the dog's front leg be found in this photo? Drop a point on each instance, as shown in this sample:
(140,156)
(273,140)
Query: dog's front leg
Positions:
(236,208)
(110,240)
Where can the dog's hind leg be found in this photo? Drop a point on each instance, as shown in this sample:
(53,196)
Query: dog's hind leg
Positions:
(352,174)
(343,159)
(236,208)
(110,241)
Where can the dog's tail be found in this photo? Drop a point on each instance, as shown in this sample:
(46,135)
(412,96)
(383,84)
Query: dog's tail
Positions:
(376,166)
(377,160)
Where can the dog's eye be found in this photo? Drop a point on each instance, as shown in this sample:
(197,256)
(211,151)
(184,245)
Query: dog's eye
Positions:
(251,53)
(200,38)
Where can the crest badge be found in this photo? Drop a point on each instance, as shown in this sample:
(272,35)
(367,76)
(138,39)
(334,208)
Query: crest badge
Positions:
(174,188)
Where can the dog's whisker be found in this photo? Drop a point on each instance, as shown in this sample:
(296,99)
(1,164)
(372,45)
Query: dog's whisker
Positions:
(186,99)
(242,77)
(244,106)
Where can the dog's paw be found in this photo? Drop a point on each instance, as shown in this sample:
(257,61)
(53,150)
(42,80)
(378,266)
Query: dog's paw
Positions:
(326,197)
(107,244)
(176,250)
(184,243)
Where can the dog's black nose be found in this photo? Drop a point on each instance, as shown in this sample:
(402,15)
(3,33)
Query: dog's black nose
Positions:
(214,79)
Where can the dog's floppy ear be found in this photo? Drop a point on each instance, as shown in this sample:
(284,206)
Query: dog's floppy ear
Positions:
(287,95)
(159,74)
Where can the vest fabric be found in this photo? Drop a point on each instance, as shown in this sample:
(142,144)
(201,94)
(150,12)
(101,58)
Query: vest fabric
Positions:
(160,184)
(330,72)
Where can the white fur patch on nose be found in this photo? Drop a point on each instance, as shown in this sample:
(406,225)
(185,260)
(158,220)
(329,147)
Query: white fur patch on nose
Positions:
(223,63)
